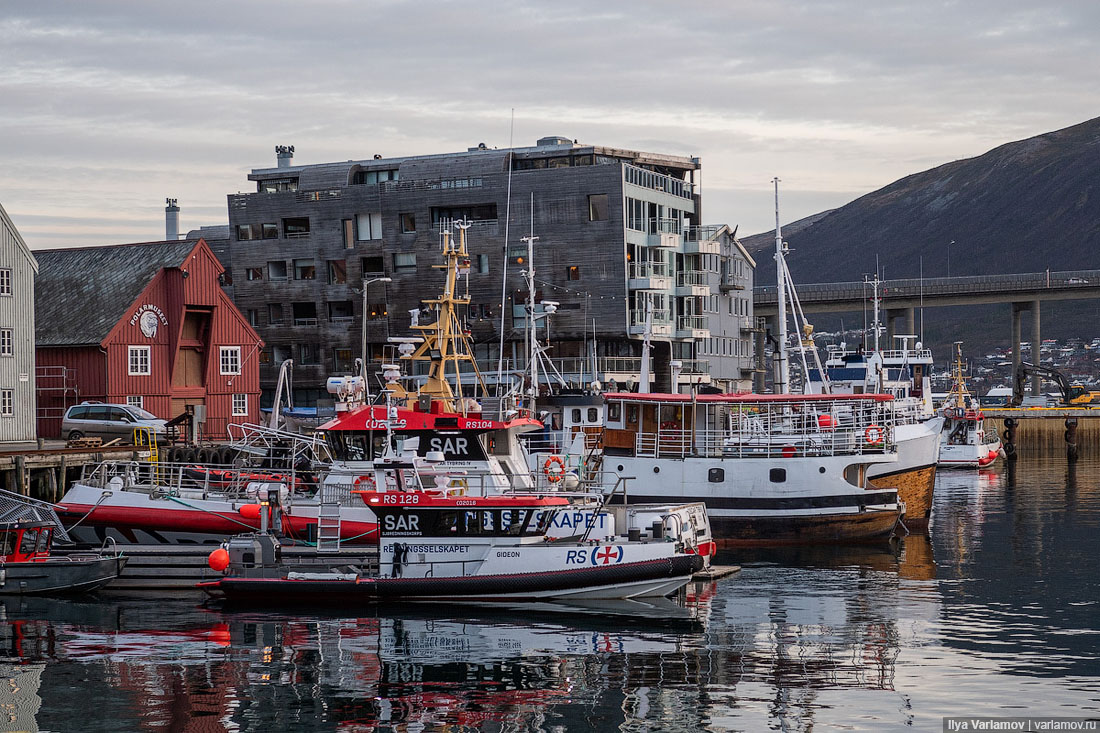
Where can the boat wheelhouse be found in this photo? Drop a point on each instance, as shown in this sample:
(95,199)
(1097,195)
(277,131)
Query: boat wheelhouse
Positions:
(771,469)
(27,567)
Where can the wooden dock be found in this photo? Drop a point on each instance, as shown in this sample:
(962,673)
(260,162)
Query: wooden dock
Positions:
(44,470)
(1048,430)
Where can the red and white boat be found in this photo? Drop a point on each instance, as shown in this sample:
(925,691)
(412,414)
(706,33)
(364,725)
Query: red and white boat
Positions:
(965,442)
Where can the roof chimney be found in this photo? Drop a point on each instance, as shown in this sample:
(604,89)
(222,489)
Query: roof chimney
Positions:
(171,220)
(285,155)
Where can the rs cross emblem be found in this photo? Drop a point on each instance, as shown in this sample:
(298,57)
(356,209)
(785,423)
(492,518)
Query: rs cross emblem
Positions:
(607,555)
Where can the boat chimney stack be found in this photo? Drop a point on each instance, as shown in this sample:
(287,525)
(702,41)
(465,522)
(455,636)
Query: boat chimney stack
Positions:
(171,220)
(284,154)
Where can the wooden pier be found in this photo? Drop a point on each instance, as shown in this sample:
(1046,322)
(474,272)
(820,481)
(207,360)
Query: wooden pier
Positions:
(44,470)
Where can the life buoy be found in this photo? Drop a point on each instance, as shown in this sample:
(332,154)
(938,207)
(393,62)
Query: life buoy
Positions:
(554,475)
(365,482)
(873,435)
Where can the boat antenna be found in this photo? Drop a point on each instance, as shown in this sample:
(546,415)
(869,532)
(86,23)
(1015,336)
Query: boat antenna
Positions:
(782,378)
(504,262)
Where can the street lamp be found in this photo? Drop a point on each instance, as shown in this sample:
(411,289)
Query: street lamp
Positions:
(363,345)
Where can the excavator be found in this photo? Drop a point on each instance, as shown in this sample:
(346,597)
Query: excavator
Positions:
(1072,394)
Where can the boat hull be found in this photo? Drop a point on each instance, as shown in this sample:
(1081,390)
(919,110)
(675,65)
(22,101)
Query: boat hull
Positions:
(60,575)
(647,579)
(760,531)
(130,517)
(914,474)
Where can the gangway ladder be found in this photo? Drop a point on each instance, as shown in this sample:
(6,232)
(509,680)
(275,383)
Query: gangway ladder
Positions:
(328,518)
(592,462)
(144,438)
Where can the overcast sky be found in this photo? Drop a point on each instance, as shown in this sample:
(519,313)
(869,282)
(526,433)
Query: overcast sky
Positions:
(106,108)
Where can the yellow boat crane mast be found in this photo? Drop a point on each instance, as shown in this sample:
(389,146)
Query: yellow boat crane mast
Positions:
(445,344)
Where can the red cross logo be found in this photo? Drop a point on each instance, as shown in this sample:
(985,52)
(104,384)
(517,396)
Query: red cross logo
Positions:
(607,555)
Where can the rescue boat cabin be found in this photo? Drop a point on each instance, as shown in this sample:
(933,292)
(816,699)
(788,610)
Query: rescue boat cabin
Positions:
(470,443)
(424,514)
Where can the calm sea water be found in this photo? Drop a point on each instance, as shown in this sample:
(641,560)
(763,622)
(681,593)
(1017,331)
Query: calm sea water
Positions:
(995,612)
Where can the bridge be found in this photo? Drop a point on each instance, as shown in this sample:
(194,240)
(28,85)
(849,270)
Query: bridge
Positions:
(901,298)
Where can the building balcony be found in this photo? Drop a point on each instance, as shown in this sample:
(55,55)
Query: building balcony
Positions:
(733,283)
(702,247)
(694,371)
(660,322)
(692,283)
(692,327)
(649,276)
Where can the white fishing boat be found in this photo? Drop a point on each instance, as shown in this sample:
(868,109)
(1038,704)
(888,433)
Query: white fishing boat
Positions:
(966,441)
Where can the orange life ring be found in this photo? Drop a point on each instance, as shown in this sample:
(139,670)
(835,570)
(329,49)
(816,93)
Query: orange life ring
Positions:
(366,482)
(873,435)
(554,476)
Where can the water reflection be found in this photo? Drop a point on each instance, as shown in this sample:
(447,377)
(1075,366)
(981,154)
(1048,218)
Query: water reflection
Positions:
(997,604)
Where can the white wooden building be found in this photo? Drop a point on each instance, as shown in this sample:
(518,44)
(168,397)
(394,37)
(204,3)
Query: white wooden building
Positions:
(18,269)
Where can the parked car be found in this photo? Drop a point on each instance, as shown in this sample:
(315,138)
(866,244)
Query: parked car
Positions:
(107,421)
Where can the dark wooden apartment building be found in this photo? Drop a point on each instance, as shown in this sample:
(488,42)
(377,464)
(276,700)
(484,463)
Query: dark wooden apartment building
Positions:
(618,231)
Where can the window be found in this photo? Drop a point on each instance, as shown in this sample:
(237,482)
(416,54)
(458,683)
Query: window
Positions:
(408,223)
(305,269)
(304,314)
(562,162)
(274,314)
(278,185)
(377,311)
(374,265)
(280,353)
(240,405)
(372,178)
(135,401)
(139,361)
(777,475)
(296,227)
(276,270)
(5,342)
(342,360)
(716,475)
(348,227)
(255,273)
(368,227)
(597,207)
(573,273)
(404,262)
(337,272)
(309,354)
(230,359)
(340,311)
(7,402)
(483,264)
(5,281)
(475,212)
(247,232)
(253,317)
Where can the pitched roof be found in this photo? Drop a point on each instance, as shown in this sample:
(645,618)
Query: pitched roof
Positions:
(7,223)
(81,293)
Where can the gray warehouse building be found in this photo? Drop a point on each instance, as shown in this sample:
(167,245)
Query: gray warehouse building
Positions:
(322,255)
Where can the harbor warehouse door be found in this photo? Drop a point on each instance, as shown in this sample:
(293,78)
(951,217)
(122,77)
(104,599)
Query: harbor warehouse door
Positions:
(190,368)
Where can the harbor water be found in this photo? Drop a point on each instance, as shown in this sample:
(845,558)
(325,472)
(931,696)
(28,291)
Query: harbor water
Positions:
(993,613)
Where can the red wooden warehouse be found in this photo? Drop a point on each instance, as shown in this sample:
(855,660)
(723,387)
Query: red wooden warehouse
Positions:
(143,324)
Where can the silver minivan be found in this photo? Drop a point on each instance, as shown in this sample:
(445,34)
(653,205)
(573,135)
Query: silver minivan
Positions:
(107,421)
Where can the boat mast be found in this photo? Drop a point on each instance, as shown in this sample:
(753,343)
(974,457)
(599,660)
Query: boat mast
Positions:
(782,377)
(532,340)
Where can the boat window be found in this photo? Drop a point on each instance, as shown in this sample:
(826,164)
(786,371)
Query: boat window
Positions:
(615,411)
(593,415)
(555,421)
(716,475)
(576,416)
(446,523)
(44,540)
(632,415)
(30,538)
(7,543)
(777,475)
(514,521)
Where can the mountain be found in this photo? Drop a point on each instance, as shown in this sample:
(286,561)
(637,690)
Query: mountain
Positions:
(1022,207)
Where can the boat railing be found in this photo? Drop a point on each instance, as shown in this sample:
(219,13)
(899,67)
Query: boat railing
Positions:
(752,444)
(189,481)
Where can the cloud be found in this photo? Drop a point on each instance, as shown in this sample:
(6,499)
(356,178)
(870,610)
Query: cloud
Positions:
(110,107)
